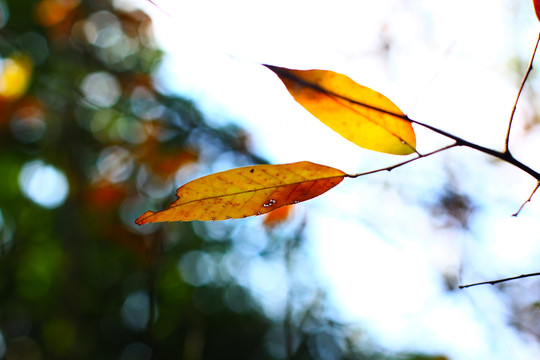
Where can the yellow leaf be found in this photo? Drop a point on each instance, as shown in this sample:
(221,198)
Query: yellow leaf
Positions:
(358,113)
(536,4)
(247,191)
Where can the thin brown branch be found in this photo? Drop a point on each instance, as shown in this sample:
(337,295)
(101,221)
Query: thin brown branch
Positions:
(392,167)
(528,200)
(493,282)
(504,156)
(529,69)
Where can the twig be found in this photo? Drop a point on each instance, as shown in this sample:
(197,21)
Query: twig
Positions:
(529,69)
(528,200)
(392,167)
(493,282)
(504,156)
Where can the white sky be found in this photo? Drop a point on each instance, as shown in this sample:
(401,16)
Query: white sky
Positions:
(379,250)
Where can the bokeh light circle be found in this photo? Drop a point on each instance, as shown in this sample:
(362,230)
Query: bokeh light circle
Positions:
(101,89)
(43,184)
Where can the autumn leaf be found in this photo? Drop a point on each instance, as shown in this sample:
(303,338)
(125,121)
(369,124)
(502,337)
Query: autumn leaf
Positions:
(358,113)
(247,191)
(536,4)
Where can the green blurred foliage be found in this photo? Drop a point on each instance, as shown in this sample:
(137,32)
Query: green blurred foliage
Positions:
(87,144)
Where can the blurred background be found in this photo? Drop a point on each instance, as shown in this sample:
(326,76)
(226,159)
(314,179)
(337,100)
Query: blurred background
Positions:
(107,107)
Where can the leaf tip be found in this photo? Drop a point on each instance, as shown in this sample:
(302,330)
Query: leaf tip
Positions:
(279,71)
(144,218)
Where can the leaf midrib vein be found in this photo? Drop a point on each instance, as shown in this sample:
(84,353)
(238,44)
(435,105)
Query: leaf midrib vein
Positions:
(334,96)
(260,189)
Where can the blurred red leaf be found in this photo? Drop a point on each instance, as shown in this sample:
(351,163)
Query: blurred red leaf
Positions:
(163,162)
(277,216)
(105,195)
(51,12)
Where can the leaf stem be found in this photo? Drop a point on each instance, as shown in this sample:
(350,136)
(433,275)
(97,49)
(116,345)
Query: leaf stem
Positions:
(493,282)
(529,69)
(392,167)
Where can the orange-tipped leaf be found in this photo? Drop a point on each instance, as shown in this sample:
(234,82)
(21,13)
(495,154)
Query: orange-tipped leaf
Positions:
(247,191)
(358,113)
